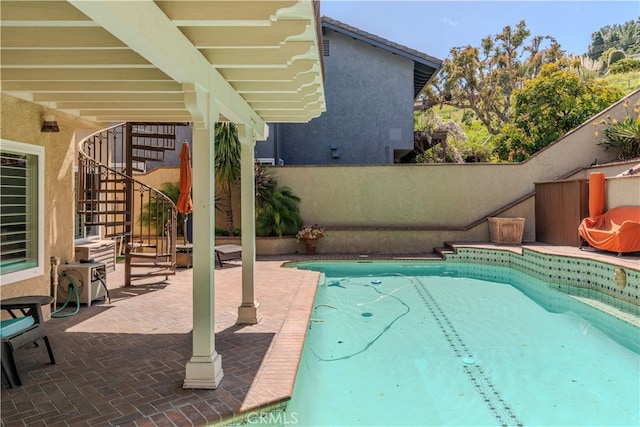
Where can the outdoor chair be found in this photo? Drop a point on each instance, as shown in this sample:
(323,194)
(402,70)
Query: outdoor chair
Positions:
(227,253)
(22,330)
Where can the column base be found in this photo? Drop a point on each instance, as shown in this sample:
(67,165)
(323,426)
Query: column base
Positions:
(203,372)
(249,314)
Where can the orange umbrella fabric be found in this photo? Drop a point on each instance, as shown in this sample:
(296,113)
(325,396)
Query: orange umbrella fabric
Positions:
(185,204)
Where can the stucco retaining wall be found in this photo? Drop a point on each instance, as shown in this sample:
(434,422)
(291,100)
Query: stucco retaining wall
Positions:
(413,208)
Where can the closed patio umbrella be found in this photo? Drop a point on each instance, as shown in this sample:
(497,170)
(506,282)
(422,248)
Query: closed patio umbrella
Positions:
(597,198)
(185,204)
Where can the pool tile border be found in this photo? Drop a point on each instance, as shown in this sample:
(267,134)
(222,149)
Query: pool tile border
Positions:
(576,276)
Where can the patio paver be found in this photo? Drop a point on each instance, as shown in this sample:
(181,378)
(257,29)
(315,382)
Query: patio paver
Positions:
(123,363)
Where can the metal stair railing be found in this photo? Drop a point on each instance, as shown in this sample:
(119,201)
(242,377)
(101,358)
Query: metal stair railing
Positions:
(109,196)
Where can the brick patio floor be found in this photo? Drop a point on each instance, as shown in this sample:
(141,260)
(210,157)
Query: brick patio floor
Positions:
(123,363)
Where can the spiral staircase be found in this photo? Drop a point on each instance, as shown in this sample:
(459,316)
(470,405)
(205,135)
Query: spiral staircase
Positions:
(111,200)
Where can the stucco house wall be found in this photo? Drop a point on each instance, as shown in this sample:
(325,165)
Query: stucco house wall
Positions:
(370,86)
(21,122)
(369,115)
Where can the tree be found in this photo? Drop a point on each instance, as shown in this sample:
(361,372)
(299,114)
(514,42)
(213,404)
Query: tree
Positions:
(597,46)
(625,37)
(553,103)
(227,166)
(483,79)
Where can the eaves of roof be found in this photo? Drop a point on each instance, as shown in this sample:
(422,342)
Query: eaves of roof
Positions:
(425,66)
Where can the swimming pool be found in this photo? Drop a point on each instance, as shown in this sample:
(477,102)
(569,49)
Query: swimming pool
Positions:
(460,344)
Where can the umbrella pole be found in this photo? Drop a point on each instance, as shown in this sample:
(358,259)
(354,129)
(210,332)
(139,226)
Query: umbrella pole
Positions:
(184,229)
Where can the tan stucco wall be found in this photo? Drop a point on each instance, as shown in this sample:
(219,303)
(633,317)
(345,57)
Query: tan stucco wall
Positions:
(622,191)
(609,169)
(369,205)
(21,121)
(159,176)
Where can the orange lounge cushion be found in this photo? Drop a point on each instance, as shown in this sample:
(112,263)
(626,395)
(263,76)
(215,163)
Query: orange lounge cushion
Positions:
(617,230)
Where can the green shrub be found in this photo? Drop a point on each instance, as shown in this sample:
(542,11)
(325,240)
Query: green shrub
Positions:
(625,65)
(277,208)
(279,214)
(615,56)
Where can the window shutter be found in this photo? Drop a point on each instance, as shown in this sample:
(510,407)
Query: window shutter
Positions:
(20,215)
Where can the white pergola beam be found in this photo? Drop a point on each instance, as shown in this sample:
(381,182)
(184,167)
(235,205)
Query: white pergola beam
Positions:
(143,27)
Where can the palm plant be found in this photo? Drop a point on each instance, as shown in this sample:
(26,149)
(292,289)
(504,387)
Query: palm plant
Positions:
(278,214)
(227,166)
(277,208)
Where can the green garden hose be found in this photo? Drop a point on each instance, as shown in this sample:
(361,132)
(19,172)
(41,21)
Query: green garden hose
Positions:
(72,285)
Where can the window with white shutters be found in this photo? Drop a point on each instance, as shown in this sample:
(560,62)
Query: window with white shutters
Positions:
(21,211)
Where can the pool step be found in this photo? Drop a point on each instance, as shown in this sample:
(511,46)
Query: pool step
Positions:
(444,250)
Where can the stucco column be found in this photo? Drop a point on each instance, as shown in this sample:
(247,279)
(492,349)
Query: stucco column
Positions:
(204,369)
(248,312)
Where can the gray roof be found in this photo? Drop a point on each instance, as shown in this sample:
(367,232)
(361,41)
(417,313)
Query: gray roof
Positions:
(425,66)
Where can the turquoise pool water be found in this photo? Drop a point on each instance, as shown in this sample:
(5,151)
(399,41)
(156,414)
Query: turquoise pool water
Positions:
(393,344)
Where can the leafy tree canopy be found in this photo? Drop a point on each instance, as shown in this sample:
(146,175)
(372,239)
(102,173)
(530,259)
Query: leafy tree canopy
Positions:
(548,106)
(483,79)
(625,37)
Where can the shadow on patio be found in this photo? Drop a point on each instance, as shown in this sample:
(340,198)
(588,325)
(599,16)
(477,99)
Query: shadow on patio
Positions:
(123,363)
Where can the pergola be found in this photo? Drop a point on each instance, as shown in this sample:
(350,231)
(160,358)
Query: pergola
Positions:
(250,62)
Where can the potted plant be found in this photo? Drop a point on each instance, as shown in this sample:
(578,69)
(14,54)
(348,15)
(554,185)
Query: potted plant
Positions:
(310,234)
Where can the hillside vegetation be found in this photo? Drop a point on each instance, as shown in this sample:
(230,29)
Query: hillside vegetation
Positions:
(479,139)
(494,108)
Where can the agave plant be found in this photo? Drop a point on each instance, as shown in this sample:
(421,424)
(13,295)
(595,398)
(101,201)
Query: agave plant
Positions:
(623,137)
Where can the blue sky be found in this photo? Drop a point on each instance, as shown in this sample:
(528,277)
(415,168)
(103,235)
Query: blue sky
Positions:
(434,27)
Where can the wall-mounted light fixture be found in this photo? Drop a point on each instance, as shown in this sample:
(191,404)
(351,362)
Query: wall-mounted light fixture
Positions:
(50,124)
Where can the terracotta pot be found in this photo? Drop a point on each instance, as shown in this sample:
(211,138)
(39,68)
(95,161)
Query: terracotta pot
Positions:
(311,246)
